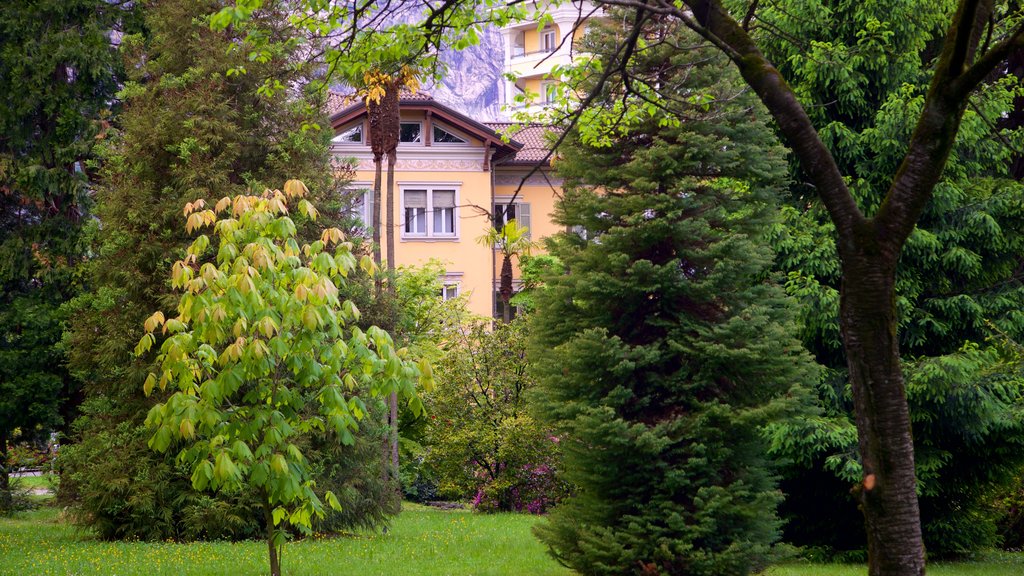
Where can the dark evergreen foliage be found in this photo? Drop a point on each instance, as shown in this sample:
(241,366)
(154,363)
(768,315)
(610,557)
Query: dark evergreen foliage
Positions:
(57,77)
(194,126)
(666,346)
(959,282)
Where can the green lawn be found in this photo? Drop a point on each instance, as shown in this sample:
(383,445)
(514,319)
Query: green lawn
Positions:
(992,564)
(422,541)
(47,481)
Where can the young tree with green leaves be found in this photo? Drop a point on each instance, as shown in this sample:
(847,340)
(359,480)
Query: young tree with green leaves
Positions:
(665,349)
(58,74)
(260,334)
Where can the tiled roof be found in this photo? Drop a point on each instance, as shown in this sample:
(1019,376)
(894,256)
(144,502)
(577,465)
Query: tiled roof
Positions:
(532,136)
(338,101)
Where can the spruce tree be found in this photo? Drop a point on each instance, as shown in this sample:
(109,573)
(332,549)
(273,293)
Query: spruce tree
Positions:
(665,348)
(198,122)
(57,76)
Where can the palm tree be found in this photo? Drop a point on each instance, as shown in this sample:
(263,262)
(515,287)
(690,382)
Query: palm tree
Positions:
(513,240)
(382,91)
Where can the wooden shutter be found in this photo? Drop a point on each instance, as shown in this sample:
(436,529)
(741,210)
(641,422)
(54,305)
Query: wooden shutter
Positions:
(523,217)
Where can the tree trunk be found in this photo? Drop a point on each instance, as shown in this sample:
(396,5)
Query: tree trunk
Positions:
(392,158)
(376,209)
(887,494)
(505,288)
(393,401)
(5,484)
(275,559)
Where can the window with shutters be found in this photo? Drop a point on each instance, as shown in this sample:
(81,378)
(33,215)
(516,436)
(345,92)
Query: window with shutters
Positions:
(548,41)
(449,291)
(505,209)
(429,212)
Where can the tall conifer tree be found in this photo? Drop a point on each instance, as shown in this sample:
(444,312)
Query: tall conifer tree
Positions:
(57,77)
(198,122)
(666,346)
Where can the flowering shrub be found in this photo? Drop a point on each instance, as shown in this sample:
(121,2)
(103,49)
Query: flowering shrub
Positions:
(26,455)
(483,445)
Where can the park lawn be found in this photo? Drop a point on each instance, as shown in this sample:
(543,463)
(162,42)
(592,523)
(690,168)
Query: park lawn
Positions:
(990,564)
(48,481)
(421,542)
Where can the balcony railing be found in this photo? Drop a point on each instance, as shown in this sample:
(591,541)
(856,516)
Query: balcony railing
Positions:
(521,53)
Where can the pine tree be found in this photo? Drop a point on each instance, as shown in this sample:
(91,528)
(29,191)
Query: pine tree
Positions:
(666,346)
(198,122)
(57,76)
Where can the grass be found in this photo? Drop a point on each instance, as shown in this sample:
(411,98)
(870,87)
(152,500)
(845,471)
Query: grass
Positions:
(48,481)
(990,564)
(422,541)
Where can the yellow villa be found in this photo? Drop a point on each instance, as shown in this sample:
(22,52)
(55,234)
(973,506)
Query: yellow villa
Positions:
(455,176)
(451,175)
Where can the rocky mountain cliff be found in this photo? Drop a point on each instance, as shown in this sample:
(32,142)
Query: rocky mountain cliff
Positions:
(472,84)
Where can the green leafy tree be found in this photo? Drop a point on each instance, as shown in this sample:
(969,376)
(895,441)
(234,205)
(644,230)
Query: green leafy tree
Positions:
(260,334)
(665,349)
(958,288)
(484,444)
(58,75)
(978,39)
(191,128)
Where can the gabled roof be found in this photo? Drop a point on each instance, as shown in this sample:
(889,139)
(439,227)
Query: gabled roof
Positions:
(342,110)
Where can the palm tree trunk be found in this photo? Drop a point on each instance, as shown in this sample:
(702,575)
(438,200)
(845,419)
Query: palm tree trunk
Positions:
(505,289)
(392,158)
(377,160)
(393,401)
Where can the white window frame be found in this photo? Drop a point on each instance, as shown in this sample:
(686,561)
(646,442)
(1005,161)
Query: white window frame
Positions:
(451,280)
(440,126)
(417,142)
(545,97)
(517,43)
(362,135)
(450,290)
(364,212)
(545,33)
(431,187)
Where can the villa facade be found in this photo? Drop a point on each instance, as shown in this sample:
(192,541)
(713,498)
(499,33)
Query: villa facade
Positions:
(457,176)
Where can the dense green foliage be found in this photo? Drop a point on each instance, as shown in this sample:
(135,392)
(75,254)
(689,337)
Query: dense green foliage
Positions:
(57,76)
(862,75)
(665,349)
(484,445)
(190,129)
